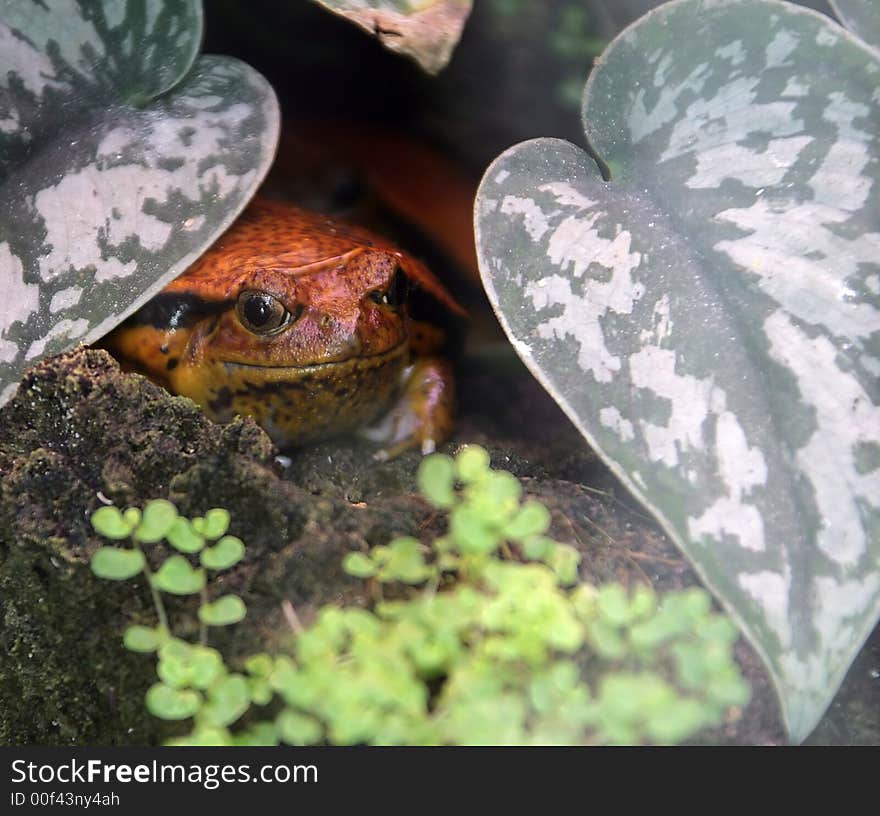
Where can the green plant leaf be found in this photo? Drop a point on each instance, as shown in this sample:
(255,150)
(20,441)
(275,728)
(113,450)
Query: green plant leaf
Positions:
(708,318)
(435,478)
(298,729)
(405,562)
(206,666)
(216,523)
(532,519)
(227,552)
(157,520)
(228,699)
(144,639)
(122,158)
(183,537)
(359,565)
(172,704)
(424,30)
(472,464)
(178,577)
(117,564)
(110,523)
(224,611)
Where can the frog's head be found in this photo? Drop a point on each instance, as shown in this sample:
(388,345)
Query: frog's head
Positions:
(292,318)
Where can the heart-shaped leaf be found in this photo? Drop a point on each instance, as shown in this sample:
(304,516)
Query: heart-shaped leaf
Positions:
(216,523)
(183,537)
(144,639)
(222,612)
(178,577)
(111,523)
(425,30)
(228,699)
(116,564)
(169,703)
(156,521)
(709,318)
(862,17)
(121,160)
(227,552)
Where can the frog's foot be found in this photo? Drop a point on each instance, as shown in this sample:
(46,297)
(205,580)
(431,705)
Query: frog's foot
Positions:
(422,417)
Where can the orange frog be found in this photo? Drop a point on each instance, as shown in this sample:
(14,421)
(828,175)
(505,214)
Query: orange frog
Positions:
(303,323)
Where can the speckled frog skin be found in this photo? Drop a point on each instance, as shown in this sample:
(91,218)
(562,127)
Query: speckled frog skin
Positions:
(302,323)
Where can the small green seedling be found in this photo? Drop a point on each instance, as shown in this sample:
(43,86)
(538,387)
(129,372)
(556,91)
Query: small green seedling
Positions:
(193,679)
(487,641)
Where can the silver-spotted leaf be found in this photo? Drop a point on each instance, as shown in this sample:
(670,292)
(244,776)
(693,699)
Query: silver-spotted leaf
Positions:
(710,317)
(121,160)
(862,17)
(425,30)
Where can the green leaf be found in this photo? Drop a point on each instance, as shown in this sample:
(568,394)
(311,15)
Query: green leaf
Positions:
(260,690)
(206,666)
(216,523)
(298,729)
(261,733)
(424,30)
(227,552)
(259,665)
(228,699)
(116,564)
(172,704)
(109,522)
(532,519)
(359,565)
(435,478)
(224,611)
(144,639)
(708,317)
(119,82)
(158,517)
(178,577)
(470,532)
(184,538)
(472,464)
(205,736)
(405,562)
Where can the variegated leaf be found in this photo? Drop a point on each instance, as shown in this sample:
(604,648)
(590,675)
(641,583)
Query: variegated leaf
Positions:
(862,17)
(425,30)
(710,318)
(121,160)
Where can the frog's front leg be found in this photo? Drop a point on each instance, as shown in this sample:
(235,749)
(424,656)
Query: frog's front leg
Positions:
(422,416)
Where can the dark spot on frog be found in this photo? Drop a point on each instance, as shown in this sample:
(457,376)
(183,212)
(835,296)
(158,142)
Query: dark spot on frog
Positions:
(222,401)
(172,363)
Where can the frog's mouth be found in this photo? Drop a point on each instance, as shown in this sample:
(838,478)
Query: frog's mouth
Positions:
(277,371)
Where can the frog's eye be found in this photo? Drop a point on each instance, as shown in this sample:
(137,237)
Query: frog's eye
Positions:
(394,295)
(262,313)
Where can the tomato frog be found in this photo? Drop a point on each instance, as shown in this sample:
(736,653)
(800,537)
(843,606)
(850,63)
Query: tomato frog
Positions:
(303,323)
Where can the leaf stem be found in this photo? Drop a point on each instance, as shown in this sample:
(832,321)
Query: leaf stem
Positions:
(203,627)
(157,598)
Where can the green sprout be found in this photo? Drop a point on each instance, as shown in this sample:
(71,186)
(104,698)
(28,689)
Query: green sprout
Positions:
(491,637)
(193,679)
